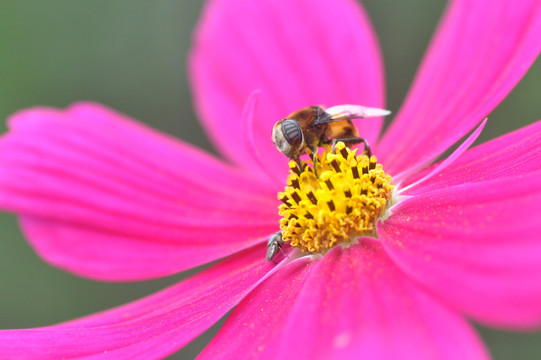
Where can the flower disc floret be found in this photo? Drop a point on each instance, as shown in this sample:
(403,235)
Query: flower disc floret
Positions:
(342,202)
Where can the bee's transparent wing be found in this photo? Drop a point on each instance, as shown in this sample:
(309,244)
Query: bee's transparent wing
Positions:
(349,112)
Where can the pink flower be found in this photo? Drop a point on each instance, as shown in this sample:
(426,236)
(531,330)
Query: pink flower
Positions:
(104,197)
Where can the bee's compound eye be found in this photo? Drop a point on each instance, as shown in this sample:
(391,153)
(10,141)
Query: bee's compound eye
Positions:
(292,132)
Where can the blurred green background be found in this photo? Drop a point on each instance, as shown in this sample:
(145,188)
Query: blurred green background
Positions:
(131,55)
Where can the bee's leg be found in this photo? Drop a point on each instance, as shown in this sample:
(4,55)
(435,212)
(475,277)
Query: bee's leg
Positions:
(282,250)
(353,141)
(301,166)
(313,154)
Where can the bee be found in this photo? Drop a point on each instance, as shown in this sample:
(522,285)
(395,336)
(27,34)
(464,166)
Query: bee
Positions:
(307,129)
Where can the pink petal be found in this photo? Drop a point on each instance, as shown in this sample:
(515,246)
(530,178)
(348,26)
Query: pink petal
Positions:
(276,171)
(438,168)
(107,198)
(297,53)
(150,328)
(475,245)
(480,51)
(511,155)
(351,304)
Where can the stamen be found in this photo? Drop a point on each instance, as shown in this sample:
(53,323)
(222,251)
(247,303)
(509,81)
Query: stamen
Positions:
(330,203)
(335,166)
(338,205)
(312,197)
(284,200)
(296,197)
(329,184)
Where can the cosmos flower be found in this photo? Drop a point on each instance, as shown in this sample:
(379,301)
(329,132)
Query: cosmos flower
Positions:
(104,197)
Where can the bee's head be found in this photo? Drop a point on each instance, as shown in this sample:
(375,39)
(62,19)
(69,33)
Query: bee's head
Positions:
(288,137)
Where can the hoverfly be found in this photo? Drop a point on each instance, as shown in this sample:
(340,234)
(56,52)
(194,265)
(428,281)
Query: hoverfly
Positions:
(309,128)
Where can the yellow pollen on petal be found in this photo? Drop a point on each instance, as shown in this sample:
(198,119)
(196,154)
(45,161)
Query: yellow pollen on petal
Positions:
(344,202)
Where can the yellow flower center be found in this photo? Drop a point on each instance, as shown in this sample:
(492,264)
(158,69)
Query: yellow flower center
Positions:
(342,203)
